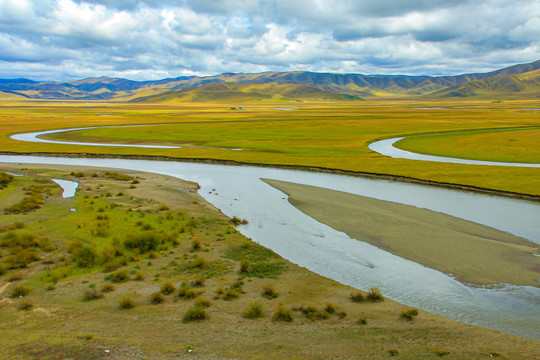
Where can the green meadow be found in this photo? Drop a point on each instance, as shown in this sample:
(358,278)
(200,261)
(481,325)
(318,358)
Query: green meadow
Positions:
(138,265)
(332,135)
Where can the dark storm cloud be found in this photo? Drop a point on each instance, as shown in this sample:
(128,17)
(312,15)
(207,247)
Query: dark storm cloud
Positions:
(61,39)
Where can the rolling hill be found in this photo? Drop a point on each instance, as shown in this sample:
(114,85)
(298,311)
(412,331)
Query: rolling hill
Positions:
(230,91)
(517,80)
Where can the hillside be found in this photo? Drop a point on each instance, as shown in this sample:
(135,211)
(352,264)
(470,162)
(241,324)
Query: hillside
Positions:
(513,81)
(523,84)
(227,92)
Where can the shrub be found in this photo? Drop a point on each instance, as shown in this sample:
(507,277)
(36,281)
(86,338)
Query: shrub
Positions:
(357,297)
(196,313)
(157,298)
(107,288)
(25,305)
(237,221)
(282,314)
(118,276)
(409,314)
(167,288)
(126,303)
(84,257)
(362,321)
(139,276)
(196,243)
(330,308)
(186,293)
(19,291)
(254,310)
(145,241)
(91,294)
(202,302)
(312,313)
(74,245)
(197,282)
(269,292)
(199,262)
(244,266)
(231,294)
(374,295)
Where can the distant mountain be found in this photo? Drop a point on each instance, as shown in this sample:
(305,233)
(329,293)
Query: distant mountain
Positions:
(517,84)
(517,80)
(237,92)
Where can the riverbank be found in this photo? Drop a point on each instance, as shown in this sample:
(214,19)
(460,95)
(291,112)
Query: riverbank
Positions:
(368,175)
(471,252)
(67,326)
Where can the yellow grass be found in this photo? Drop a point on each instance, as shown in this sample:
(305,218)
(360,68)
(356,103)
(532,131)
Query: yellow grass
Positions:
(322,134)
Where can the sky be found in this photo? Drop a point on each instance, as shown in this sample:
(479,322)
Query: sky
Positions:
(65,40)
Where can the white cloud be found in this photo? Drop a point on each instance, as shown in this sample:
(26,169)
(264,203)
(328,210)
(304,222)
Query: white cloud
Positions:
(167,38)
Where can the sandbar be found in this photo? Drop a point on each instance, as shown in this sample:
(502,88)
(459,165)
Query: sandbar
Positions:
(472,253)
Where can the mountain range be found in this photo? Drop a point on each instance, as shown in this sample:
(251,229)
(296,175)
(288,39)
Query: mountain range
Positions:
(518,81)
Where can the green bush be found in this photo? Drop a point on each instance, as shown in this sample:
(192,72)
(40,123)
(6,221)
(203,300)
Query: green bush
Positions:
(357,297)
(5,179)
(145,241)
(202,302)
(244,266)
(107,288)
(118,276)
(330,308)
(25,305)
(282,314)
(19,291)
(84,257)
(167,288)
(197,282)
(126,303)
(186,293)
(196,243)
(157,298)
(409,315)
(91,294)
(196,313)
(269,292)
(231,294)
(374,295)
(198,262)
(254,311)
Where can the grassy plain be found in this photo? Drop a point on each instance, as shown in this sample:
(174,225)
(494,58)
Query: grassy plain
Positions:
(73,311)
(493,145)
(319,134)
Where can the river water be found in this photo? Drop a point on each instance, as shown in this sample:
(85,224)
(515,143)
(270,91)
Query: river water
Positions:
(386,147)
(276,224)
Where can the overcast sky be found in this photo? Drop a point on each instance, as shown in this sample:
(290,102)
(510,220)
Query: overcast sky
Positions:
(147,40)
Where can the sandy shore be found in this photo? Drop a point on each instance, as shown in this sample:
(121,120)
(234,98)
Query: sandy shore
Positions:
(471,252)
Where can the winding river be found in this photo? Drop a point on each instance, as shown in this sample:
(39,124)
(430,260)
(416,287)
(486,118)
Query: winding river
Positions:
(386,147)
(274,223)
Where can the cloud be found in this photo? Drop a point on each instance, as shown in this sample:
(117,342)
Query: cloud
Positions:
(70,39)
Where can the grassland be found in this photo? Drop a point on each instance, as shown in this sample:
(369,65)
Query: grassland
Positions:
(317,134)
(203,290)
(494,145)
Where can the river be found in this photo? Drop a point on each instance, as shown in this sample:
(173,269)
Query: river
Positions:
(274,223)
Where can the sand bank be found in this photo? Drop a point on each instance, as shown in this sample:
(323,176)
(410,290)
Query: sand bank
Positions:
(471,252)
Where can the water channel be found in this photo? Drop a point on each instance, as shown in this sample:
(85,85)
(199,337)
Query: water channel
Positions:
(274,223)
